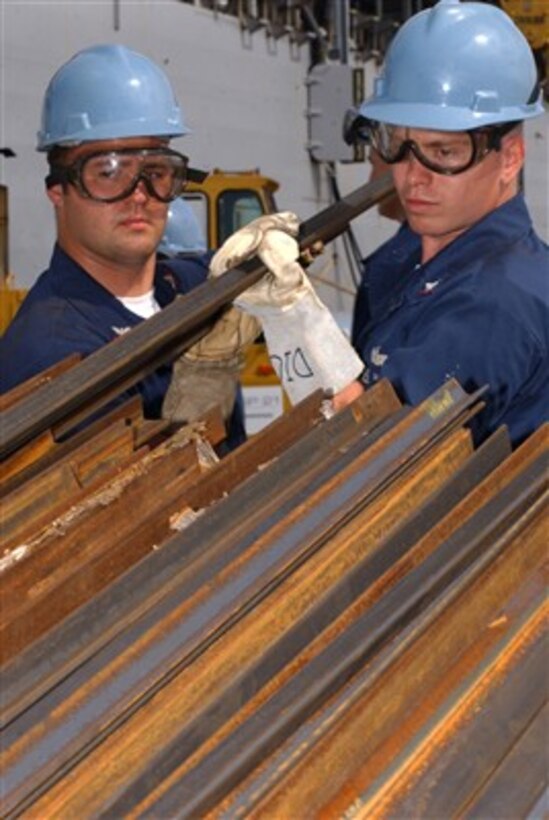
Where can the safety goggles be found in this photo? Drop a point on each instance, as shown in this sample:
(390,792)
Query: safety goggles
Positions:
(448,153)
(356,128)
(109,176)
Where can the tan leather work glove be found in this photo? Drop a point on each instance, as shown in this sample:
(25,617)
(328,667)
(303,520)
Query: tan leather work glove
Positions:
(197,387)
(207,374)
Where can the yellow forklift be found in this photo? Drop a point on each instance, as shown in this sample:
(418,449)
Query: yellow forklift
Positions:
(10,296)
(227,200)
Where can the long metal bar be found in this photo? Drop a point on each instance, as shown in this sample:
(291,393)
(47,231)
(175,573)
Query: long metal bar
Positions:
(235,756)
(521,777)
(460,764)
(383,715)
(131,356)
(242,590)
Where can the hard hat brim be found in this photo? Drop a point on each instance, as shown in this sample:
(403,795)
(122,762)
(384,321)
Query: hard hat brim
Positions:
(445,118)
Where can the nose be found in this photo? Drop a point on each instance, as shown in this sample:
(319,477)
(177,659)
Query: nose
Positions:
(416,172)
(140,192)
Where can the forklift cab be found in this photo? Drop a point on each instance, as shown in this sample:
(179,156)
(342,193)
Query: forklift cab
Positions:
(227,200)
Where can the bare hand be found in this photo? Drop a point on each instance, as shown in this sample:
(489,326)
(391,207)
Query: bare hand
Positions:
(347,395)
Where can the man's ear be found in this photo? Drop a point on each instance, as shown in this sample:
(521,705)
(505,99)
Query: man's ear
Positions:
(513,155)
(55,195)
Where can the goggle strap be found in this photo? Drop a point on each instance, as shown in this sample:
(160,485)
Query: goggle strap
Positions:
(58,175)
(535,93)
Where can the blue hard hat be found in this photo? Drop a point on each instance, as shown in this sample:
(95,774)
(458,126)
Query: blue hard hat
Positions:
(182,233)
(454,67)
(108,92)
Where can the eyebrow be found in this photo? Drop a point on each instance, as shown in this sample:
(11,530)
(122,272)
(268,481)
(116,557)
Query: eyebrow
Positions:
(436,141)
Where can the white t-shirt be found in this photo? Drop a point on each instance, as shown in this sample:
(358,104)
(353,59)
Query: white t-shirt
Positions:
(144,305)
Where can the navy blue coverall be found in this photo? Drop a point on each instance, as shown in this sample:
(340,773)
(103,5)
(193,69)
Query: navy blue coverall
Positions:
(67,311)
(478,311)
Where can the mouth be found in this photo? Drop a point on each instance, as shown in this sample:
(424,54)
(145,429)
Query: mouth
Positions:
(135,222)
(416,204)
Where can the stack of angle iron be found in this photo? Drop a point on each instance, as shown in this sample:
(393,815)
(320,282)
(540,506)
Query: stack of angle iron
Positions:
(344,617)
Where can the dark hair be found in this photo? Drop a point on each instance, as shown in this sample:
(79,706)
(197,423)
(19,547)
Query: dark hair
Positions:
(56,159)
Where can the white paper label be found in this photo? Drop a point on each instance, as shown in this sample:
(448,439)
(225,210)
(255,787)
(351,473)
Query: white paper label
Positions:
(261,406)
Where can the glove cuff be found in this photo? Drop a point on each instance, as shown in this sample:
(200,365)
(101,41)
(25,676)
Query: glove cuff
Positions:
(308,349)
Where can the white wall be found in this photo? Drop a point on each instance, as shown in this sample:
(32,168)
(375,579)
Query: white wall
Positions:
(536,172)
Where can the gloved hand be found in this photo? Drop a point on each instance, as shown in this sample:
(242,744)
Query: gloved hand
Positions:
(197,386)
(207,374)
(228,339)
(245,243)
(306,346)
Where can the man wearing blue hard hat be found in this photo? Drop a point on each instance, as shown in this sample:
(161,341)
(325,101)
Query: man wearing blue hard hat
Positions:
(108,116)
(462,289)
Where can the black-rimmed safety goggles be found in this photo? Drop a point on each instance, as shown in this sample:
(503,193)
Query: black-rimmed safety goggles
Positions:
(444,152)
(109,176)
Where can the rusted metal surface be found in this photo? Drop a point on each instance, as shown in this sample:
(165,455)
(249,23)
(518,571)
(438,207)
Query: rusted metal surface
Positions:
(381,714)
(62,644)
(366,475)
(26,507)
(375,407)
(33,459)
(239,654)
(504,700)
(81,552)
(520,780)
(84,550)
(349,600)
(184,562)
(112,369)
(234,756)
(24,459)
(26,388)
(324,602)
(511,699)
(66,483)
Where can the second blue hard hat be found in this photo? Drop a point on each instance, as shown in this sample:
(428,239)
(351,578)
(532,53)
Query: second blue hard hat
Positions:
(182,233)
(456,66)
